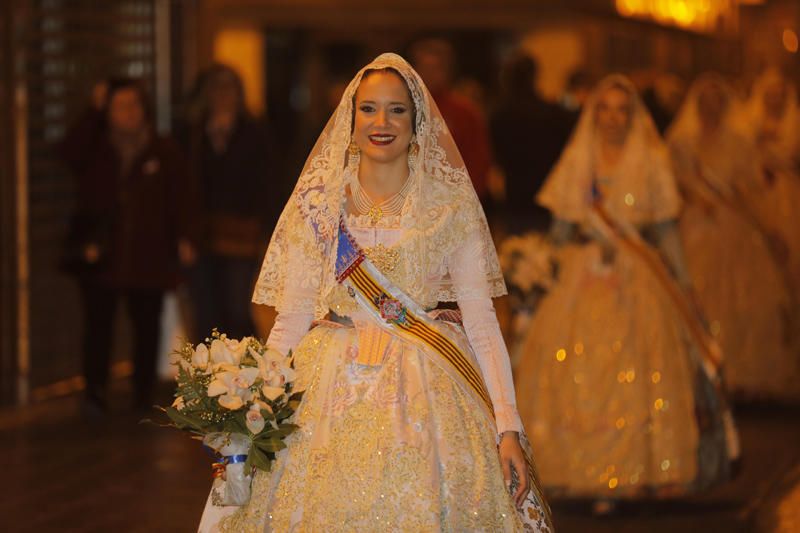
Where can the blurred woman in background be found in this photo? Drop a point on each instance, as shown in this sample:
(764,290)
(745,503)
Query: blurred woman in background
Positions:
(229,151)
(739,281)
(608,379)
(772,120)
(131,231)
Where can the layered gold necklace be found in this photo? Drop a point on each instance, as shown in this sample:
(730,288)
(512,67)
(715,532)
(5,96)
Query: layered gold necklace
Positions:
(389,207)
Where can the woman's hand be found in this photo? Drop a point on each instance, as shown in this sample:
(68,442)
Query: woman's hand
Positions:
(512,456)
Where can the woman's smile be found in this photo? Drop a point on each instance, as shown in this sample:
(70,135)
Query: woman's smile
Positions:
(381,139)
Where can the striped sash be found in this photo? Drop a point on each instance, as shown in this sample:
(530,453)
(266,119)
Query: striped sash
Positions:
(398,314)
(395,312)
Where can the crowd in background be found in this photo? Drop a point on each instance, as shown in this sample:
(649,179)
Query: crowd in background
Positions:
(195,211)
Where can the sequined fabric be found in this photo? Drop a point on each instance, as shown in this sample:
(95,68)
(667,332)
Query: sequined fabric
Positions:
(395,447)
(605,382)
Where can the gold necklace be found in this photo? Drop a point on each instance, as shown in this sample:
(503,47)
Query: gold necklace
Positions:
(366,206)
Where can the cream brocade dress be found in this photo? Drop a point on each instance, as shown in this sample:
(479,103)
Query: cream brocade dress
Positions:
(742,289)
(605,382)
(388,442)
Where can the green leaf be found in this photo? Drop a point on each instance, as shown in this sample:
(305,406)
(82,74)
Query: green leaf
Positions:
(278,433)
(248,465)
(269,445)
(183,421)
(259,459)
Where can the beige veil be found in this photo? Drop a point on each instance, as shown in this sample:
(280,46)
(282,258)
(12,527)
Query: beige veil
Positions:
(687,123)
(439,213)
(787,143)
(642,189)
(726,156)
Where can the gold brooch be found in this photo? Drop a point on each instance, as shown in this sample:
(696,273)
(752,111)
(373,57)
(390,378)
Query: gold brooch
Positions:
(384,258)
(375,213)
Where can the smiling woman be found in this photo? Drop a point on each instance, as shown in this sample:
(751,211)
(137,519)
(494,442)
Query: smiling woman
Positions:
(383,125)
(403,411)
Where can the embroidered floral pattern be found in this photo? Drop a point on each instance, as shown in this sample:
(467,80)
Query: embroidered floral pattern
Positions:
(406,437)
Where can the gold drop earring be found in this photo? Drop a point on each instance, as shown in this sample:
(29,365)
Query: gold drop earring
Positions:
(353,152)
(413,150)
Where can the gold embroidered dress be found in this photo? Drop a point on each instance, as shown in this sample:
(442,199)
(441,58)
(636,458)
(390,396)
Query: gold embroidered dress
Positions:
(744,290)
(605,377)
(387,440)
(778,143)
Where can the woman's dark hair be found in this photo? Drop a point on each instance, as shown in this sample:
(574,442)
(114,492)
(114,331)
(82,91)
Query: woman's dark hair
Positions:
(116,85)
(520,74)
(216,73)
(394,71)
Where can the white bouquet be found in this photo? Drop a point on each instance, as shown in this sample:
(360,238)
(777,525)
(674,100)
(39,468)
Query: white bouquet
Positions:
(235,396)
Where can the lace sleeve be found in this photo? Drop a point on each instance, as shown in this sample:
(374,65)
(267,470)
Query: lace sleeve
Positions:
(483,332)
(288,330)
(298,298)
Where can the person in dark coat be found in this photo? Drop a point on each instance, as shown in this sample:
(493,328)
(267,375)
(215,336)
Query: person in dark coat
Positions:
(527,135)
(131,231)
(240,201)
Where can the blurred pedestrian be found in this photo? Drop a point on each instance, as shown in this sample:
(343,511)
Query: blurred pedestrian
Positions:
(579,87)
(131,231)
(740,281)
(434,59)
(239,202)
(527,135)
(772,121)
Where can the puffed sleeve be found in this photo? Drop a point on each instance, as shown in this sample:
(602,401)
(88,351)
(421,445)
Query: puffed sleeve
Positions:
(483,331)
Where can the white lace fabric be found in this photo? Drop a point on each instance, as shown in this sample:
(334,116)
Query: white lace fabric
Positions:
(440,211)
(474,301)
(444,248)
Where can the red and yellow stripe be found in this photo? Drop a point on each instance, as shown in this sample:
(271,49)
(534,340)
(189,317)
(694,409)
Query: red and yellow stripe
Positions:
(372,291)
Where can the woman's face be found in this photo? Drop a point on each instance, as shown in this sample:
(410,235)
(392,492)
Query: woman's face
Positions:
(613,115)
(223,94)
(712,102)
(126,112)
(383,117)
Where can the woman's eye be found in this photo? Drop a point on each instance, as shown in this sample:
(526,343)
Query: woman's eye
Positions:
(399,110)
(367,108)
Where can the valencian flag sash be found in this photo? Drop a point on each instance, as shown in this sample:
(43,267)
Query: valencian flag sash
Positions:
(398,314)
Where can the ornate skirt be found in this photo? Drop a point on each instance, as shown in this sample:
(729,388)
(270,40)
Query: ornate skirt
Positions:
(394,445)
(607,386)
